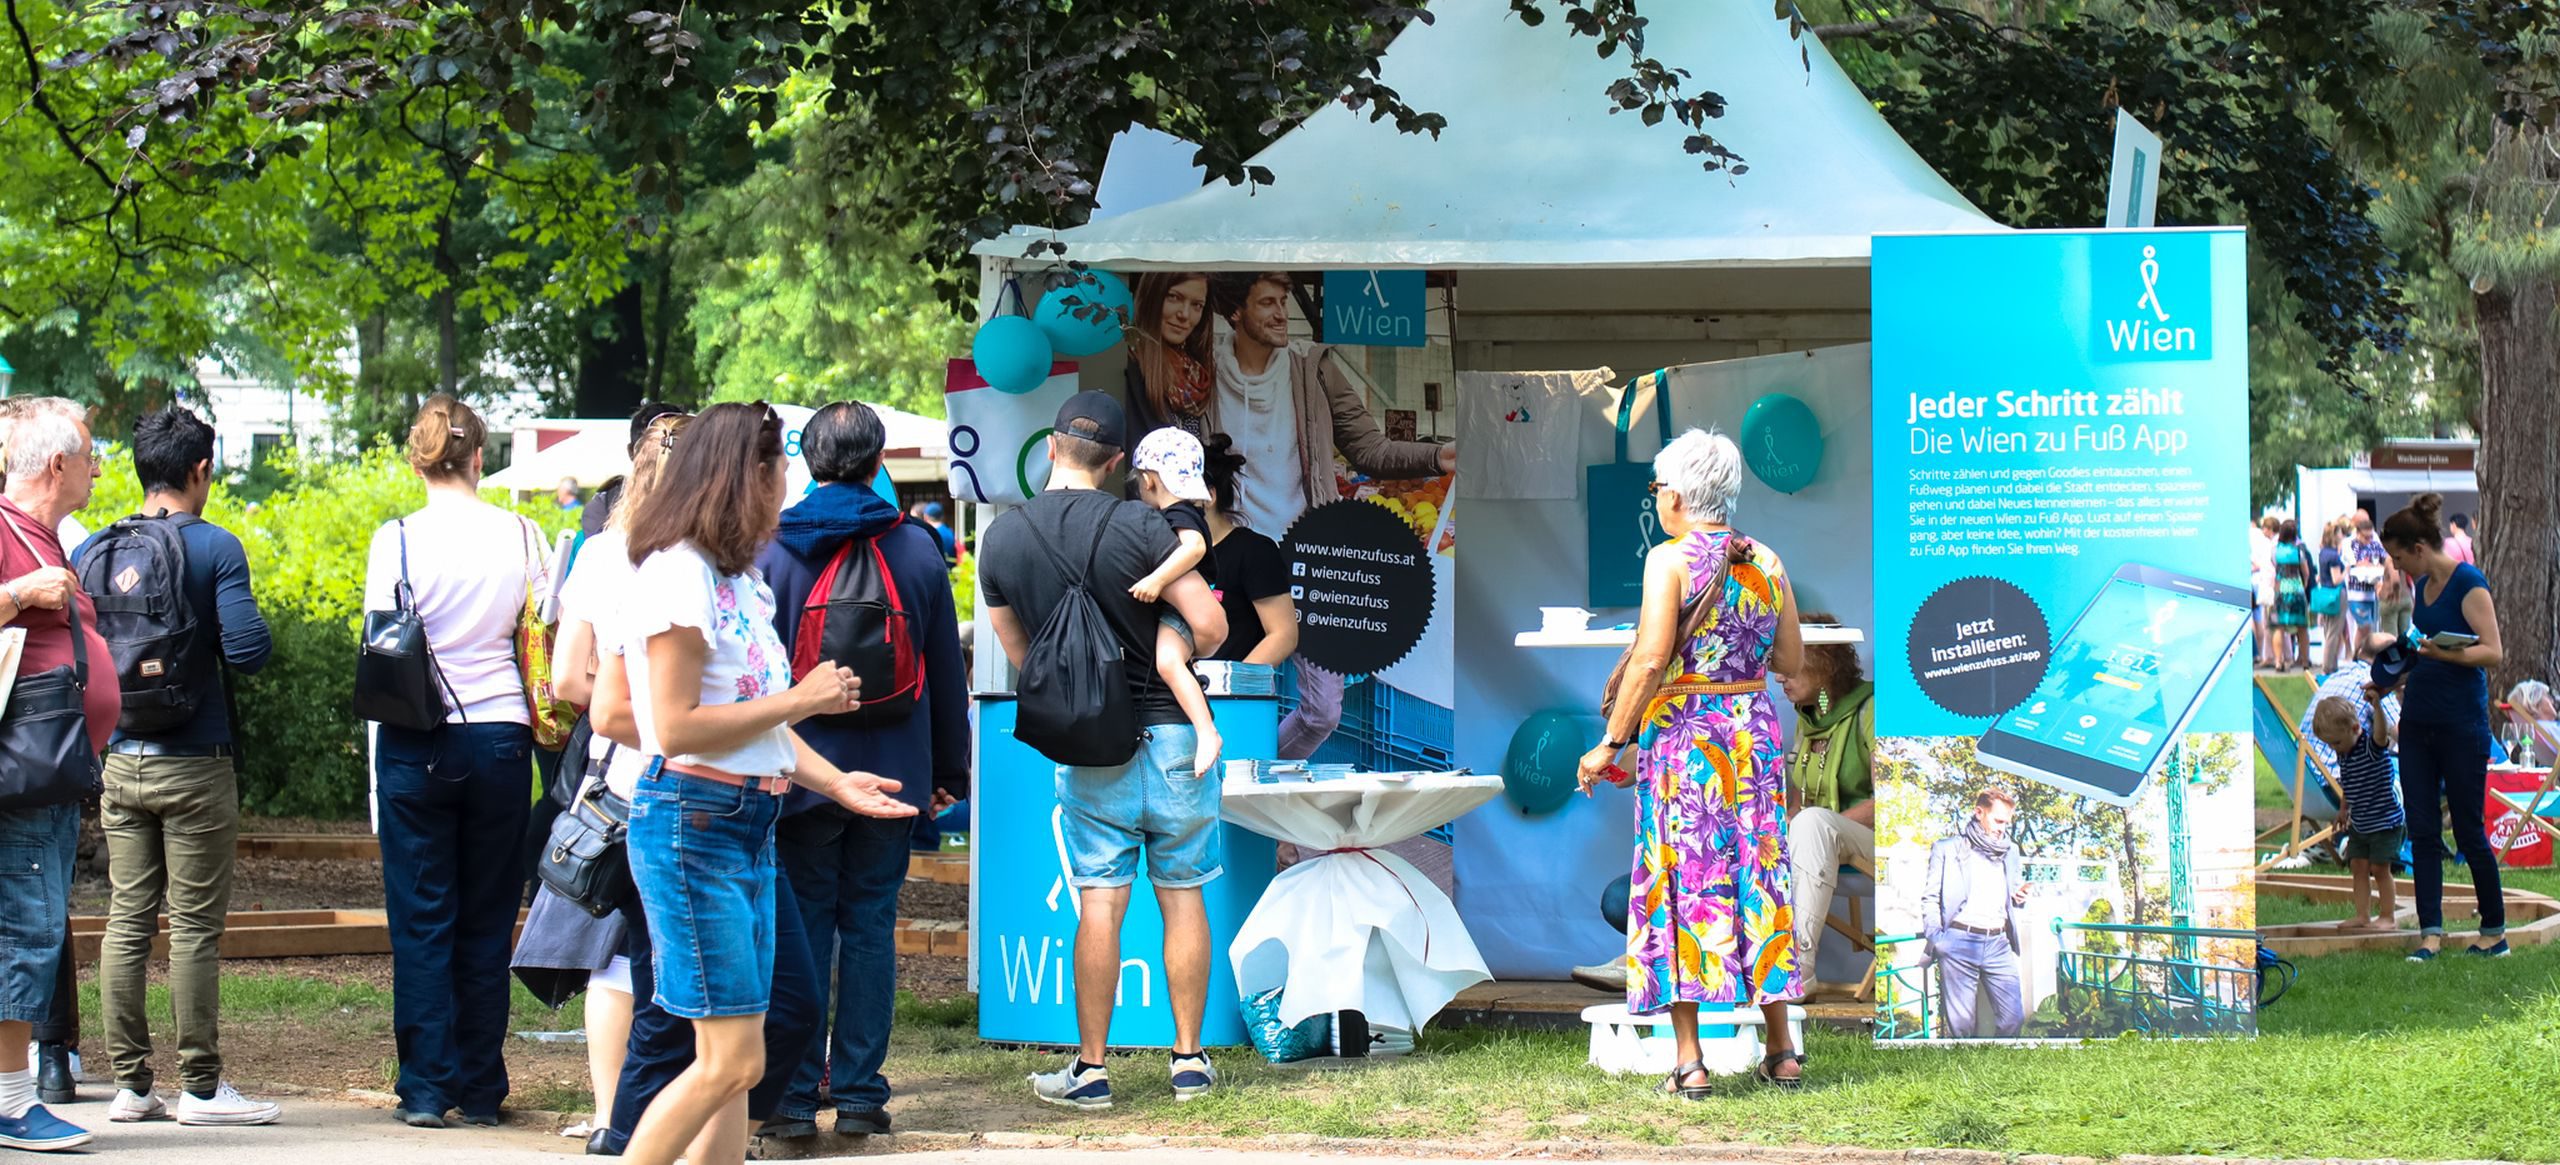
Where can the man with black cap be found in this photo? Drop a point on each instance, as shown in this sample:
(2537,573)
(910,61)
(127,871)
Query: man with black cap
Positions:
(1154,802)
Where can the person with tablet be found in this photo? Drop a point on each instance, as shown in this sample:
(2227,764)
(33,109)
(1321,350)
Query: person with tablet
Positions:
(2444,722)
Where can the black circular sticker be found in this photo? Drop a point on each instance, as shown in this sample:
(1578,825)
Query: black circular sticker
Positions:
(1362,586)
(1979,646)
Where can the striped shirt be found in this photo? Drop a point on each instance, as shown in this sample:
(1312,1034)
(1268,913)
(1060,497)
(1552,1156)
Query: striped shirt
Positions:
(2373,796)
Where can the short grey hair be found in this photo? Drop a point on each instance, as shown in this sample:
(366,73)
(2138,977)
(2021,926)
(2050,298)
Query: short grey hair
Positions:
(40,429)
(1705,469)
(2529,694)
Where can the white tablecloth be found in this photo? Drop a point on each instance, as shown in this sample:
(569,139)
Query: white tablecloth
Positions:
(1361,907)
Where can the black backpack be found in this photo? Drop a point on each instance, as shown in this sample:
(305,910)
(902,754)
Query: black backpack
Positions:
(854,617)
(136,573)
(1073,702)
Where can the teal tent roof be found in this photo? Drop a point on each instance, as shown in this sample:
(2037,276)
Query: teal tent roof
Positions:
(1535,171)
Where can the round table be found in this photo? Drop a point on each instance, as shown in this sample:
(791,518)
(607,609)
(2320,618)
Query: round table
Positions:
(1353,927)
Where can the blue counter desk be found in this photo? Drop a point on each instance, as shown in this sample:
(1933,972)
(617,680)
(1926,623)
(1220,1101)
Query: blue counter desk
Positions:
(1024,923)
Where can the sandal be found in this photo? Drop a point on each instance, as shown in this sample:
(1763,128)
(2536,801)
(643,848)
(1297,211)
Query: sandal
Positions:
(1768,1070)
(1672,1086)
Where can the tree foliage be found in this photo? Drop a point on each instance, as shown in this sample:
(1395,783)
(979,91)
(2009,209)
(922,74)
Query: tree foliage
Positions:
(1001,111)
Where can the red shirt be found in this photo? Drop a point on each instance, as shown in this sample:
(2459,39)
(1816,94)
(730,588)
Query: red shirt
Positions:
(49,632)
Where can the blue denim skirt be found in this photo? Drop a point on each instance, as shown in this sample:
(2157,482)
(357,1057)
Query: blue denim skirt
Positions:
(702,857)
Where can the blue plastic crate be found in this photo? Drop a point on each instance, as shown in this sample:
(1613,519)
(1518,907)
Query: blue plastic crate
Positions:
(1412,729)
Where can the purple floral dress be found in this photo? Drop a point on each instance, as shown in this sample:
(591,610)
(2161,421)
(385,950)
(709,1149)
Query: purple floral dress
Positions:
(1708,920)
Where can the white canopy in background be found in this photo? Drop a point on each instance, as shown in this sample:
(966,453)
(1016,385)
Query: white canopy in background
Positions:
(1534,171)
(915,448)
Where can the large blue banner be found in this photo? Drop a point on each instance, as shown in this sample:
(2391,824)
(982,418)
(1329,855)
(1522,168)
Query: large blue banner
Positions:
(2062,594)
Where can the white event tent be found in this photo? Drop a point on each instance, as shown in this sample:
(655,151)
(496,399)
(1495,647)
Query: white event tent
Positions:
(1562,235)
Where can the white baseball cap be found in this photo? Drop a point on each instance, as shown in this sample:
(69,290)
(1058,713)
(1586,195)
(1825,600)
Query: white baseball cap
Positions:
(1174,456)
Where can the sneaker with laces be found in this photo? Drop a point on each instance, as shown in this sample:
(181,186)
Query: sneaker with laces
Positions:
(1193,1077)
(41,1132)
(226,1107)
(130,1106)
(1077,1085)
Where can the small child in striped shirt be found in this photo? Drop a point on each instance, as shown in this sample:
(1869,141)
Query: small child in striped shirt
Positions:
(2371,818)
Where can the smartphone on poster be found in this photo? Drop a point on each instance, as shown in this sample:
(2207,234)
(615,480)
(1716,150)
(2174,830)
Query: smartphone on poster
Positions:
(2123,683)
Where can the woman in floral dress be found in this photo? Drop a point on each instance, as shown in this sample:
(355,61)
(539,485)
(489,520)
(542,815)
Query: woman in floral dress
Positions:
(1709,919)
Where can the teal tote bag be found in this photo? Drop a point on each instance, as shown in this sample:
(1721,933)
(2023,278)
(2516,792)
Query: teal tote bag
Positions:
(1620,517)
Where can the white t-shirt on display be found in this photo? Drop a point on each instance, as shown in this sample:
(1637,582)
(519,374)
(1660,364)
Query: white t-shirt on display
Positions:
(1260,414)
(678,587)
(599,586)
(471,566)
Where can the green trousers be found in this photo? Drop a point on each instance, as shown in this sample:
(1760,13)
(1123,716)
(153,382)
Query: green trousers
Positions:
(173,828)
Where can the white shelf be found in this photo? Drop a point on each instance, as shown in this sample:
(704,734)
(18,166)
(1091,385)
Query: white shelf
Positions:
(1606,637)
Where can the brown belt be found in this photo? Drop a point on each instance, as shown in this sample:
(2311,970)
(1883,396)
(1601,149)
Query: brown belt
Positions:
(1715,688)
(774,785)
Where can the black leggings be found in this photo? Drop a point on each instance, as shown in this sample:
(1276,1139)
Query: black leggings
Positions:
(2448,765)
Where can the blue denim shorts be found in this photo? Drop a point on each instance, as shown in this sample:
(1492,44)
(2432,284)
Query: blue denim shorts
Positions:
(1157,802)
(37,849)
(702,857)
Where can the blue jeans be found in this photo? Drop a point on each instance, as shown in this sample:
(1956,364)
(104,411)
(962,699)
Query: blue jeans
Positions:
(846,872)
(1156,802)
(702,857)
(37,849)
(1969,961)
(452,804)
(2448,765)
(661,1045)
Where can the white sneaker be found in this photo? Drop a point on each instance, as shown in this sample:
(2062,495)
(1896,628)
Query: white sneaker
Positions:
(130,1106)
(227,1107)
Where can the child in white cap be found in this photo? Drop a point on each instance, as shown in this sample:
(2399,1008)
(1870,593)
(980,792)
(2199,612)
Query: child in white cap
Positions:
(1172,476)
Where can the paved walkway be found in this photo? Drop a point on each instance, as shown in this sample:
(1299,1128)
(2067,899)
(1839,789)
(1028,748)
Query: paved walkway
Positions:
(313,1132)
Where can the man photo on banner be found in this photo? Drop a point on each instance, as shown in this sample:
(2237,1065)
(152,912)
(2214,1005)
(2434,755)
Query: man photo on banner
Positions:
(1289,405)
(1968,918)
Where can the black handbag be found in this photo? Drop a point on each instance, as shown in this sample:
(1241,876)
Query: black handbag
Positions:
(397,680)
(45,758)
(588,860)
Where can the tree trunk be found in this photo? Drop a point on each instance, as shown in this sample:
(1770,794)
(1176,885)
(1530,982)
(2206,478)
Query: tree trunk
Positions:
(448,355)
(613,367)
(662,322)
(2519,531)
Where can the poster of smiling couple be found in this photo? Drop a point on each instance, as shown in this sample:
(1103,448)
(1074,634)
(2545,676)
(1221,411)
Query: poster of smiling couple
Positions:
(2064,794)
(1335,536)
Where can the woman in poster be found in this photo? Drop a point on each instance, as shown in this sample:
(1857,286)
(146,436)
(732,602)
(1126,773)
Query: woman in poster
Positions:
(1170,375)
(1709,919)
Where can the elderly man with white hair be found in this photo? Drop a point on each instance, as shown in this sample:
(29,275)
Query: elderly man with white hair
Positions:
(51,472)
(1708,911)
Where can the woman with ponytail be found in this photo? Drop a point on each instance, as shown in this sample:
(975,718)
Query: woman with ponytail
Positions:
(1249,570)
(451,803)
(1708,918)
(2444,723)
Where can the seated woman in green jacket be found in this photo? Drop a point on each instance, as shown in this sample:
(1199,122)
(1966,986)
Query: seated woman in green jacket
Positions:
(1832,818)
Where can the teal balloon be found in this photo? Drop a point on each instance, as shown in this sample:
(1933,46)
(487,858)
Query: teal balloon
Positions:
(1542,767)
(1782,442)
(887,489)
(1613,900)
(1077,329)
(1012,354)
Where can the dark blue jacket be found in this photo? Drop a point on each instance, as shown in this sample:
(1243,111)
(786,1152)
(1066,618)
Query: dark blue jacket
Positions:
(217,586)
(930,747)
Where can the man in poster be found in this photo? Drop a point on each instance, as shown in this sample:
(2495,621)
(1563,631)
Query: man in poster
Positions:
(1968,920)
(1289,406)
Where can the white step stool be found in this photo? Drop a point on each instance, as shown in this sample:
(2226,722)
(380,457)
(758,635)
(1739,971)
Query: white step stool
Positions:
(1728,1039)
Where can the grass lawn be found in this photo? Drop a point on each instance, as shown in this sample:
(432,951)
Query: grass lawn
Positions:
(2368,1056)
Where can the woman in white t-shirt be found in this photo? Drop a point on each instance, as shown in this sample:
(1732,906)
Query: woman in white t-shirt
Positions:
(712,695)
(452,803)
(589,599)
